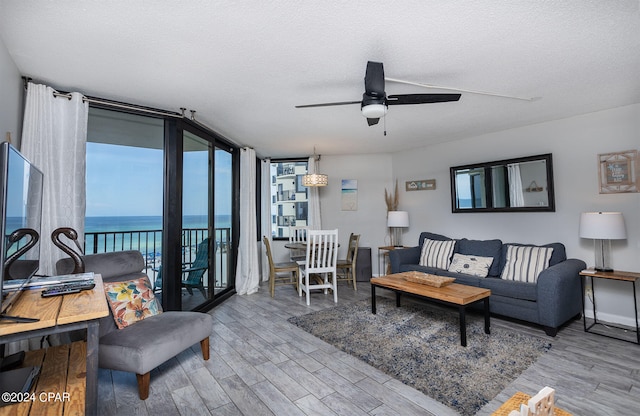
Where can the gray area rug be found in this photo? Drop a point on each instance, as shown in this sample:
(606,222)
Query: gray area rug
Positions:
(420,346)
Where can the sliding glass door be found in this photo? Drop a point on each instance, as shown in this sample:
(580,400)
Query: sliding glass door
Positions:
(207,218)
(174,182)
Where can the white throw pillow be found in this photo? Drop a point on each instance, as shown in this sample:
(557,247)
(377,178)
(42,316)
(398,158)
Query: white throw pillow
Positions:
(524,263)
(436,253)
(473,265)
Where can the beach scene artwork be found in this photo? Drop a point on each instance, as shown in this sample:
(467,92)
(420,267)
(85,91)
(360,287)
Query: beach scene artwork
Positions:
(349,195)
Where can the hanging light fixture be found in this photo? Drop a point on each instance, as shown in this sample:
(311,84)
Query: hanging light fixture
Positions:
(314,178)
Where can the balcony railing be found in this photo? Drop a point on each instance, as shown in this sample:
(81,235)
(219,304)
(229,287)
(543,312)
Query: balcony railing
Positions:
(149,243)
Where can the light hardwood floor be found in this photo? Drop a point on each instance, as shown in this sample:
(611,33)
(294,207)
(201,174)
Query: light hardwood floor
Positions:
(262,365)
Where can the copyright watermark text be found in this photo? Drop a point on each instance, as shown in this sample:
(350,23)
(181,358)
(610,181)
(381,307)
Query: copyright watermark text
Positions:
(19,397)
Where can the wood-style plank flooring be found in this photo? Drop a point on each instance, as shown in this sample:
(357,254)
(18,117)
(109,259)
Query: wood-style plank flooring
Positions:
(262,365)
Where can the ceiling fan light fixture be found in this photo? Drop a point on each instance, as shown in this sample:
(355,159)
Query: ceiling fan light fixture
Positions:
(374,110)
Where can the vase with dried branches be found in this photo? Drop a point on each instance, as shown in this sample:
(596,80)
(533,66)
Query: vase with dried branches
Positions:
(392,199)
(395,219)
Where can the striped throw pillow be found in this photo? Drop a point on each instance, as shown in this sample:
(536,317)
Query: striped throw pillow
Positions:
(437,253)
(524,263)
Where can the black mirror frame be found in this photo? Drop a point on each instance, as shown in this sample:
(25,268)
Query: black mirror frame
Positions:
(551,207)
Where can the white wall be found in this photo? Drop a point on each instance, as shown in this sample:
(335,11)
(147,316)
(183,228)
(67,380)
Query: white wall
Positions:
(575,144)
(11,98)
(373,173)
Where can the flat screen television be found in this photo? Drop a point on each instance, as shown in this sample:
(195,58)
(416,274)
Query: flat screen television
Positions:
(20,219)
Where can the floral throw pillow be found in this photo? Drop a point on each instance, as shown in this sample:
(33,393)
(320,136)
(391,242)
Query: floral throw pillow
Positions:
(131,301)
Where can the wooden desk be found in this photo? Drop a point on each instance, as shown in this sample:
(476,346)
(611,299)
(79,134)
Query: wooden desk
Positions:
(619,276)
(60,314)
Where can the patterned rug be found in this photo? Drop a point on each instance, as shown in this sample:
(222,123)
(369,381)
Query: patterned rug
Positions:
(420,346)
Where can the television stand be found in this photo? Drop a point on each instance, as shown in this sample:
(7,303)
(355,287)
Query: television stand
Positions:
(69,368)
(12,361)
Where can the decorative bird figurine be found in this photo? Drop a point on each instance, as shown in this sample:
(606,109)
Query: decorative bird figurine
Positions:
(72,235)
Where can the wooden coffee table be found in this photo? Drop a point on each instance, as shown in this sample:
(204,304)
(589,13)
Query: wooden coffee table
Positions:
(452,294)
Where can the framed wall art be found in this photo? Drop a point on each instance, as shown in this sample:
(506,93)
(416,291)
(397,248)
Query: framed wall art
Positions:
(349,194)
(618,172)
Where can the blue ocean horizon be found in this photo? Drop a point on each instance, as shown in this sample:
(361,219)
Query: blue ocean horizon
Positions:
(100,224)
(144,233)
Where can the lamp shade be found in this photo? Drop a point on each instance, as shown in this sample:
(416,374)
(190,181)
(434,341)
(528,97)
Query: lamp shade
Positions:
(315,179)
(397,219)
(602,225)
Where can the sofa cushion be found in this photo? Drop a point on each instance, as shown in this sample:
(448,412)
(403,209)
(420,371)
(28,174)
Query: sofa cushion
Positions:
(510,288)
(483,248)
(431,236)
(131,301)
(524,263)
(559,253)
(437,253)
(473,265)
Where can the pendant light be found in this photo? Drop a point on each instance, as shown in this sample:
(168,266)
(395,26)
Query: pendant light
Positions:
(314,178)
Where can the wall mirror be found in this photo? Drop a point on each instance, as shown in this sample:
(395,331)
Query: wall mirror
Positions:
(514,185)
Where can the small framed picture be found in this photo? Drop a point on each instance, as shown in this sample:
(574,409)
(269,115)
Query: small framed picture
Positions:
(618,172)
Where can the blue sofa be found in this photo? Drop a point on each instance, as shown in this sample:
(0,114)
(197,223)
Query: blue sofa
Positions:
(555,299)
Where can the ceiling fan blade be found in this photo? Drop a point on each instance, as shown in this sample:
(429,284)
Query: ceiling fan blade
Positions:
(372,121)
(400,99)
(328,104)
(374,80)
(493,94)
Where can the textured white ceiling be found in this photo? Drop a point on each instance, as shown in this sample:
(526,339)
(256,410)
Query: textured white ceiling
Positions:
(243,66)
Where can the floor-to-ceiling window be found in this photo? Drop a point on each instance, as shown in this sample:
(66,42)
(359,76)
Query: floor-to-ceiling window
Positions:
(163,186)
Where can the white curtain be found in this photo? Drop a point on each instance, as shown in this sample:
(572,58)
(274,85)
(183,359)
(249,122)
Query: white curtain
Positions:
(265,207)
(314,219)
(54,136)
(516,195)
(248,267)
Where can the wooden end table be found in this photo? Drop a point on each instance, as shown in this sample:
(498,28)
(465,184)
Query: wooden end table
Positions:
(619,276)
(72,370)
(453,294)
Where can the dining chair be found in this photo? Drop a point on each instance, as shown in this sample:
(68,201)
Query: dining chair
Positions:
(297,234)
(319,263)
(346,268)
(291,268)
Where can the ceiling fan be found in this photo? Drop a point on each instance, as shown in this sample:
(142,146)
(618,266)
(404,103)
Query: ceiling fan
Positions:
(375,101)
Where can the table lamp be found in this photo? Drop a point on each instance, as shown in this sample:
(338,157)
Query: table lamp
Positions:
(602,227)
(395,221)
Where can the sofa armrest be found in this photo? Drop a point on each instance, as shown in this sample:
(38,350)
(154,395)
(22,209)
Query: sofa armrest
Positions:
(410,255)
(559,292)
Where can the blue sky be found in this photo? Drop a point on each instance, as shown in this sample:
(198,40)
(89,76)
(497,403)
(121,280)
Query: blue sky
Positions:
(127,181)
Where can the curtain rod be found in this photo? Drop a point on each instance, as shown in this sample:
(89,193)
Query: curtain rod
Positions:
(116,104)
(131,107)
(108,103)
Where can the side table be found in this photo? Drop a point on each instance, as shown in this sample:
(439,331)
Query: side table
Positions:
(619,276)
(73,371)
(383,255)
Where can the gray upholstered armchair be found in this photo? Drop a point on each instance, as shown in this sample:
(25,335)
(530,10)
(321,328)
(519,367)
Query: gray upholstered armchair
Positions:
(143,346)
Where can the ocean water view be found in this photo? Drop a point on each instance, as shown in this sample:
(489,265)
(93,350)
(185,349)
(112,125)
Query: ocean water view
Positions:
(147,223)
(144,233)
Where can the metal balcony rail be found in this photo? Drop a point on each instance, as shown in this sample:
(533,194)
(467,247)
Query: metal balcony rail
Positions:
(149,243)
